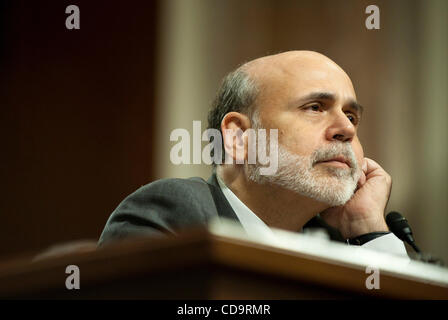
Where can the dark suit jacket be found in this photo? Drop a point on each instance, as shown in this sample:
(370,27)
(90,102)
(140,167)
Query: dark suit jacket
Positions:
(169,205)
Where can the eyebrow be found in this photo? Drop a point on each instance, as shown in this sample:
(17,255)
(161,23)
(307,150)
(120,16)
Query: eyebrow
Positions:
(353,104)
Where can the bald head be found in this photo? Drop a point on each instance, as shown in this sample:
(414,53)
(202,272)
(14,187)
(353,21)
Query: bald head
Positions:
(284,60)
(307,70)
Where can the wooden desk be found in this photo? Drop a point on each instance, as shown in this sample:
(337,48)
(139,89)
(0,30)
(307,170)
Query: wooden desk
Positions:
(203,265)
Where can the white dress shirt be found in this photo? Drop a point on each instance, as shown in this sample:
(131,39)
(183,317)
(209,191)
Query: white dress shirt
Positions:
(253,225)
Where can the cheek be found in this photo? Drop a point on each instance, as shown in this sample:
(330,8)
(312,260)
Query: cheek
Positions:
(298,142)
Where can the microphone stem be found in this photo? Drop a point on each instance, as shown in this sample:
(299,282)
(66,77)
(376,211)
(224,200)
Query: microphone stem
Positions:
(414,246)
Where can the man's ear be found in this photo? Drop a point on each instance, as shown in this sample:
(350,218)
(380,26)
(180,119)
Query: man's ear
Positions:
(233,127)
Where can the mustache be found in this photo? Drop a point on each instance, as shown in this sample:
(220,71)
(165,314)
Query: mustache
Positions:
(335,150)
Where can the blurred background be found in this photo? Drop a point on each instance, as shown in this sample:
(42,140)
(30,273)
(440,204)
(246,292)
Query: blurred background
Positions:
(86,115)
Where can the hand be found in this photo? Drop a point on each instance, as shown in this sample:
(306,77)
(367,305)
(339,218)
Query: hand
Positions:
(364,212)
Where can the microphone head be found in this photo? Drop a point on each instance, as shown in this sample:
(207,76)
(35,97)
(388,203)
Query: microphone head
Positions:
(394,216)
(399,226)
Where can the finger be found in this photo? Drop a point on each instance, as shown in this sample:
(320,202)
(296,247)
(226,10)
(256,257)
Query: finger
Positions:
(362,179)
(375,170)
(372,166)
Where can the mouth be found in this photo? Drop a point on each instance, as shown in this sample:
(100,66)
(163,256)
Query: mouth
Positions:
(338,162)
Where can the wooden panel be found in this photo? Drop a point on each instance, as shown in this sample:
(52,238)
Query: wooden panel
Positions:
(222,268)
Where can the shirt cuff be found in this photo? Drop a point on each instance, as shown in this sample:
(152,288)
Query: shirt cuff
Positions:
(388,243)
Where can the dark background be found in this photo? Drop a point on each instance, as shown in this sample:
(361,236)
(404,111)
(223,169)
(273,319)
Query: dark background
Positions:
(76,117)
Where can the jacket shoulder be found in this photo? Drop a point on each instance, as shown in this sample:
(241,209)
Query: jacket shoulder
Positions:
(162,206)
(172,187)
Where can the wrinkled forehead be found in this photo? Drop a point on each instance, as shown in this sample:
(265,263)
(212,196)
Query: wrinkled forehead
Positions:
(291,76)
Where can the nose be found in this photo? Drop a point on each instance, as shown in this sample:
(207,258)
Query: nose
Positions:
(340,128)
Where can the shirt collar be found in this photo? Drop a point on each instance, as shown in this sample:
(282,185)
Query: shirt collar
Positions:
(251,223)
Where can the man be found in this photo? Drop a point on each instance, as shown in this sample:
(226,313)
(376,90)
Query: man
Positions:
(323,179)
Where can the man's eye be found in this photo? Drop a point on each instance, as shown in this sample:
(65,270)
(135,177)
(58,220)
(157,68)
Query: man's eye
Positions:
(314,107)
(353,119)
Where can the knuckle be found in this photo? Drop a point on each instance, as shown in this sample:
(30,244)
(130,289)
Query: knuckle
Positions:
(388,179)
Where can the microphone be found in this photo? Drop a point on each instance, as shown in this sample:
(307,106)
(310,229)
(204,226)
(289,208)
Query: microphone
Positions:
(400,227)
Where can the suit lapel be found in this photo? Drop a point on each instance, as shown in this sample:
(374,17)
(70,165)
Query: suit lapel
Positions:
(222,205)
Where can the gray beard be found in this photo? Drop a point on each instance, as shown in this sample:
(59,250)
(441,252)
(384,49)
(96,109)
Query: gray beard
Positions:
(330,185)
